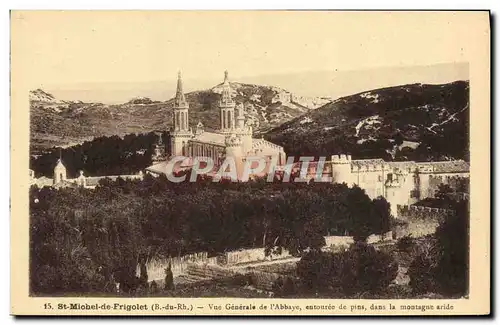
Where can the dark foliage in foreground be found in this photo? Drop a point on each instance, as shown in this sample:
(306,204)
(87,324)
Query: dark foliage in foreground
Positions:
(86,240)
(360,269)
(443,267)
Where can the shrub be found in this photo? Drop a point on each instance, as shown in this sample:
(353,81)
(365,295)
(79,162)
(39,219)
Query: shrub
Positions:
(405,244)
(360,269)
(421,273)
(364,269)
(288,287)
(314,271)
(443,266)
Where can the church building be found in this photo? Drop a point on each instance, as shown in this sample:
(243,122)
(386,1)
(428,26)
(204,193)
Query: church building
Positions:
(234,138)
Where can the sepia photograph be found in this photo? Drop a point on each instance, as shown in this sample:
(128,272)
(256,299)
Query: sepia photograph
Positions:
(286,156)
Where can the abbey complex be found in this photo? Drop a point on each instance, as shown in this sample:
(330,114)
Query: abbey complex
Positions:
(233,139)
(401,183)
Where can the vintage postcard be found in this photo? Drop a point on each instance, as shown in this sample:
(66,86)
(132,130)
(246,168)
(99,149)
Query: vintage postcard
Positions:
(250,163)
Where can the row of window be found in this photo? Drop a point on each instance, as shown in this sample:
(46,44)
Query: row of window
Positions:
(181,120)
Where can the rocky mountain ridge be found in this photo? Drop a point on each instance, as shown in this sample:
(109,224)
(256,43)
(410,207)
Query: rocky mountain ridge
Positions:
(61,123)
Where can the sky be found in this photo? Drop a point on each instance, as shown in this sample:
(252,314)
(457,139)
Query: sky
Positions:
(116,55)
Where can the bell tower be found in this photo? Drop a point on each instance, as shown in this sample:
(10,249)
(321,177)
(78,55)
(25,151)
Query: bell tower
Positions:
(59,172)
(181,131)
(227,105)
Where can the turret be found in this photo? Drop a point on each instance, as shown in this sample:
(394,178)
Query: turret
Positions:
(226,105)
(81,181)
(59,172)
(233,145)
(159,150)
(240,124)
(234,148)
(181,133)
(199,128)
(341,169)
(243,131)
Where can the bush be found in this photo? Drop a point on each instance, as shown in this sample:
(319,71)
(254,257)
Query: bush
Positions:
(443,267)
(421,273)
(405,244)
(360,269)
(453,240)
(364,269)
(314,270)
(288,287)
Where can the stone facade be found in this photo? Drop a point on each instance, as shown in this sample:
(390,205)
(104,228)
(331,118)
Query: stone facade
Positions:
(401,183)
(233,139)
(61,180)
(420,221)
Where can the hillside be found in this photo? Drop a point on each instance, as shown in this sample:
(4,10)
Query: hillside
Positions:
(63,123)
(416,121)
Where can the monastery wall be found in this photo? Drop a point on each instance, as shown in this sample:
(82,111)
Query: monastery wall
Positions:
(421,221)
(372,181)
(251,255)
(156,267)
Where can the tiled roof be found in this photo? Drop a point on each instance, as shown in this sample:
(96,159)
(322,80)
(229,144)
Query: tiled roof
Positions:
(44,181)
(367,162)
(159,168)
(454,166)
(211,138)
(402,164)
(66,183)
(94,181)
(262,143)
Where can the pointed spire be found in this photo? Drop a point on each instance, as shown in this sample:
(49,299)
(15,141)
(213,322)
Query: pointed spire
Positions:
(180,100)
(226,96)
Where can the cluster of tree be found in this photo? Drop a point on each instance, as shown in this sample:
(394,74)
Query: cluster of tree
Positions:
(439,263)
(360,269)
(84,240)
(446,196)
(102,156)
(442,265)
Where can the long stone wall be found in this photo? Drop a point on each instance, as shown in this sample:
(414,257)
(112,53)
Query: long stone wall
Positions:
(421,221)
(215,266)
(338,241)
(156,267)
(251,255)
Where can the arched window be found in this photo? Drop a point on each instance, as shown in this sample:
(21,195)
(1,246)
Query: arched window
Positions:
(182,121)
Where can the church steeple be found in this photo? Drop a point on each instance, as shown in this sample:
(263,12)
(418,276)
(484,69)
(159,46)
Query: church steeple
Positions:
(181,106)
(226,105)
(226,97)
(180,99)
(59,171)
(181,133)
